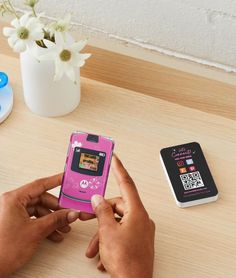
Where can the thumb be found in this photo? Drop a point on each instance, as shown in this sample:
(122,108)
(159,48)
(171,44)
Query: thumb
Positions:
(55,220)
(103,211)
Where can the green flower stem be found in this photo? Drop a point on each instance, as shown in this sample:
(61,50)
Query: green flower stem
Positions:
(34,12)
(12,10)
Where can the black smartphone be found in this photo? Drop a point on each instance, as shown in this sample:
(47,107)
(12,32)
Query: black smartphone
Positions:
(188,174)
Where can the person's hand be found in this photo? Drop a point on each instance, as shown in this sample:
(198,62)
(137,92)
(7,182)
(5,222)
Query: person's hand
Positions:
(126,247)
(27,216)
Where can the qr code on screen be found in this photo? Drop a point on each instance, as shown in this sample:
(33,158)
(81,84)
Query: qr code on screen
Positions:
(191,180)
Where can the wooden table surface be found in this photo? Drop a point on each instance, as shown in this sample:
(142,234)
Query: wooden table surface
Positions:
(193,242)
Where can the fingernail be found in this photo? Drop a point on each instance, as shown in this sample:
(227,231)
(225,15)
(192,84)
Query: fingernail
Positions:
(96,200)
(72,216)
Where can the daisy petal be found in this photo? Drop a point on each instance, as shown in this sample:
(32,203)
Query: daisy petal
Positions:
(59,39)
(71,73)
(68,40)
(84,56)
(59,70)
(24,19)
(37,34)
(19,46)
(77,46)
(34,25)
(31,21)
(81,63)
(74,59)
(8,31)
(15,23)
(12,40)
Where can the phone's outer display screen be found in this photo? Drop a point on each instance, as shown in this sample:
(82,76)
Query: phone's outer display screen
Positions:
(88,162)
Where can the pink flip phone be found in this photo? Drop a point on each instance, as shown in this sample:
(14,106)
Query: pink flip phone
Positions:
(86,170)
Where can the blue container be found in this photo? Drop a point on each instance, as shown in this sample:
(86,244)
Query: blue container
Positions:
(6,97)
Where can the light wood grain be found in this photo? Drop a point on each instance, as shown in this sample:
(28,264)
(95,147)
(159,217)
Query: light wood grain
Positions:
(155,80)
(193,242)
(159,81)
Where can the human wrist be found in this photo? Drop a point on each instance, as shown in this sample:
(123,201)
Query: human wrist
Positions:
(132,271)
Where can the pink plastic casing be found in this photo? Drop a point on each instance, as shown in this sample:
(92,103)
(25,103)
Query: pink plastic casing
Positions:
(72,195)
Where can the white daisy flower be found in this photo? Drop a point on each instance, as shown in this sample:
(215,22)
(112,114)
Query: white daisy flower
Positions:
(65,53)
(61,26)
(24,33)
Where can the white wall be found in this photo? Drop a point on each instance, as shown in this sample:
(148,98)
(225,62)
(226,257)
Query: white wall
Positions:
(200,30)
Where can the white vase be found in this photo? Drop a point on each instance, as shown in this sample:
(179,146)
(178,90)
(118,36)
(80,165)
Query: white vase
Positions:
(42,94)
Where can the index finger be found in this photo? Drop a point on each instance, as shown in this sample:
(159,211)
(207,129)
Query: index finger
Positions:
(127,186)
(40,186)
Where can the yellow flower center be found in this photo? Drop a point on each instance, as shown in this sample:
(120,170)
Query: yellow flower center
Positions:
(65,55)
(22,33)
